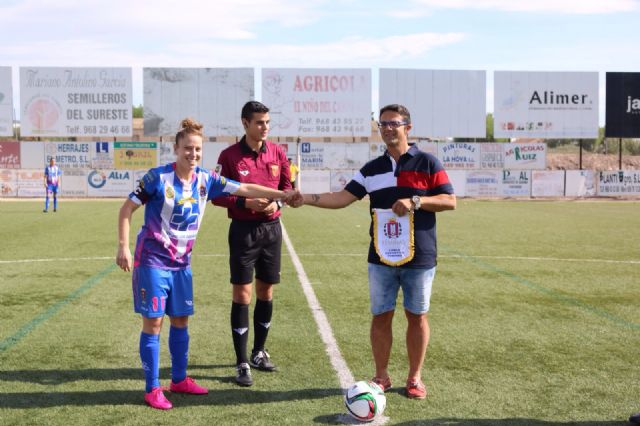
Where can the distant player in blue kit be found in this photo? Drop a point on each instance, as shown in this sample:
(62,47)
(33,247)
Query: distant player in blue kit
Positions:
(52,178)
(175,197)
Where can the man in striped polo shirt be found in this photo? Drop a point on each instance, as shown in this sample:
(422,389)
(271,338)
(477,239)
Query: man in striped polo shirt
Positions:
(406,188)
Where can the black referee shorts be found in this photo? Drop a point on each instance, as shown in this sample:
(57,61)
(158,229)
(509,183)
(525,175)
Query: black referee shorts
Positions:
(255,245)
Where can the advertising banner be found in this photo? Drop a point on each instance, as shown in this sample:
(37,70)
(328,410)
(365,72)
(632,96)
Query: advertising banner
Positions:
(483,183)
(315,181)
(442,103)
(340,178)
(166,153)
(459,155)
(345,155)
(9,155)
(32,155)
(458,179)
(529,156)
(622,105)
(545,104)
(619,183)
(102,155)
(61,101)
(516,183)
(312,155)
(211,152)
(318,102)
(547,183)
(6,102)
(580,183)
(109,183)
(427,146)
(8,183)
(74,183)
(492,156)
(68,155)
(31,183)
(214,96)
(135,155)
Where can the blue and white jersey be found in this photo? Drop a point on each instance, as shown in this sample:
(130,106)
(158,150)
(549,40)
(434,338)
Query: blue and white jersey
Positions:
(173,213)
(52,173)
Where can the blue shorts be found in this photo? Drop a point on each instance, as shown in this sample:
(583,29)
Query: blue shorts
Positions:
(52,188)
(158,291)
(385,282)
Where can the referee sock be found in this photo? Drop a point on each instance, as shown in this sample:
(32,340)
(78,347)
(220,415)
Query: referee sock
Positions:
(179,349)
(261,323)
(240,330)
(150,357)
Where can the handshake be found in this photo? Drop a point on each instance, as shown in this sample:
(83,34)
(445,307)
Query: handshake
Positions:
(293,198)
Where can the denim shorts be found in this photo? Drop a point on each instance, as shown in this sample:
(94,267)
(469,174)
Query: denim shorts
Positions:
(386,281)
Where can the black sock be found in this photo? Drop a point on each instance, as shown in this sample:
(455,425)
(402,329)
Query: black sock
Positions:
(240,330)
(261,323)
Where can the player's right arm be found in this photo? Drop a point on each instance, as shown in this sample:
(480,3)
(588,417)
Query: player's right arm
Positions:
(123,258)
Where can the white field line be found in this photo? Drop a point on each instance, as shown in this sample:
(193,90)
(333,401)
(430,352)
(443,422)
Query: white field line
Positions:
(337,361)
(331,346)
(363,255)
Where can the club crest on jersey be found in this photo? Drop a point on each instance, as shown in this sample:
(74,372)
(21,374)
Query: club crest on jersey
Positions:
(202,191)
(275,170)
(392,229)
(243,172)
(218,168)
(168,192)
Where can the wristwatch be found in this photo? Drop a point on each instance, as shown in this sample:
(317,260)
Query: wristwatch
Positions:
(415,200)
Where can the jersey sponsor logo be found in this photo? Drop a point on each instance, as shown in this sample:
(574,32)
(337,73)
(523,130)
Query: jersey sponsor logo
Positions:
(169,193)
(186,200)
(185,216)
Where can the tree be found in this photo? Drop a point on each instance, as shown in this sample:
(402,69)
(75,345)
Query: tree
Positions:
(137,111)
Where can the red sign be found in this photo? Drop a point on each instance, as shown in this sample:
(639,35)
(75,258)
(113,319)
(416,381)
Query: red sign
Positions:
(9,155)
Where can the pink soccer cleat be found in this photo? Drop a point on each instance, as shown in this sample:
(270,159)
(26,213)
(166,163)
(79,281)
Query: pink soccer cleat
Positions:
(156,399)
(188,385)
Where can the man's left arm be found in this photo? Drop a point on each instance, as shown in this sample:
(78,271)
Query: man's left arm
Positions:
(430,203)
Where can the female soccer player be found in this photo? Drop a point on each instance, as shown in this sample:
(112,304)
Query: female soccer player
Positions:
(175,196)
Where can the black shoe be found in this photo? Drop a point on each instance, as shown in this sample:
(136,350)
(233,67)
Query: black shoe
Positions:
(44,211)
(635,419)
(243,378)
(55,210)
(261,360)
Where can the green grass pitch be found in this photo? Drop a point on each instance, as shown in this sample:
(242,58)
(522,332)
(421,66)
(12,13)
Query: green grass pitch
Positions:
(534,320)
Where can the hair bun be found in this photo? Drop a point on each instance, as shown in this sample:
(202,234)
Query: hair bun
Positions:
(190,125)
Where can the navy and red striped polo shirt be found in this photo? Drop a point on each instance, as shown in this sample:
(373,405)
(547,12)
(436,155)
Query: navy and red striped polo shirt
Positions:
(268,167)
(416,173)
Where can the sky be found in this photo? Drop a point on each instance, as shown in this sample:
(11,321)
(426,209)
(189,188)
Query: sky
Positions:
(489,35)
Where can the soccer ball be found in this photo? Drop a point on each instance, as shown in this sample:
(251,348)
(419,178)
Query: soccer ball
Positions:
(365,401)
